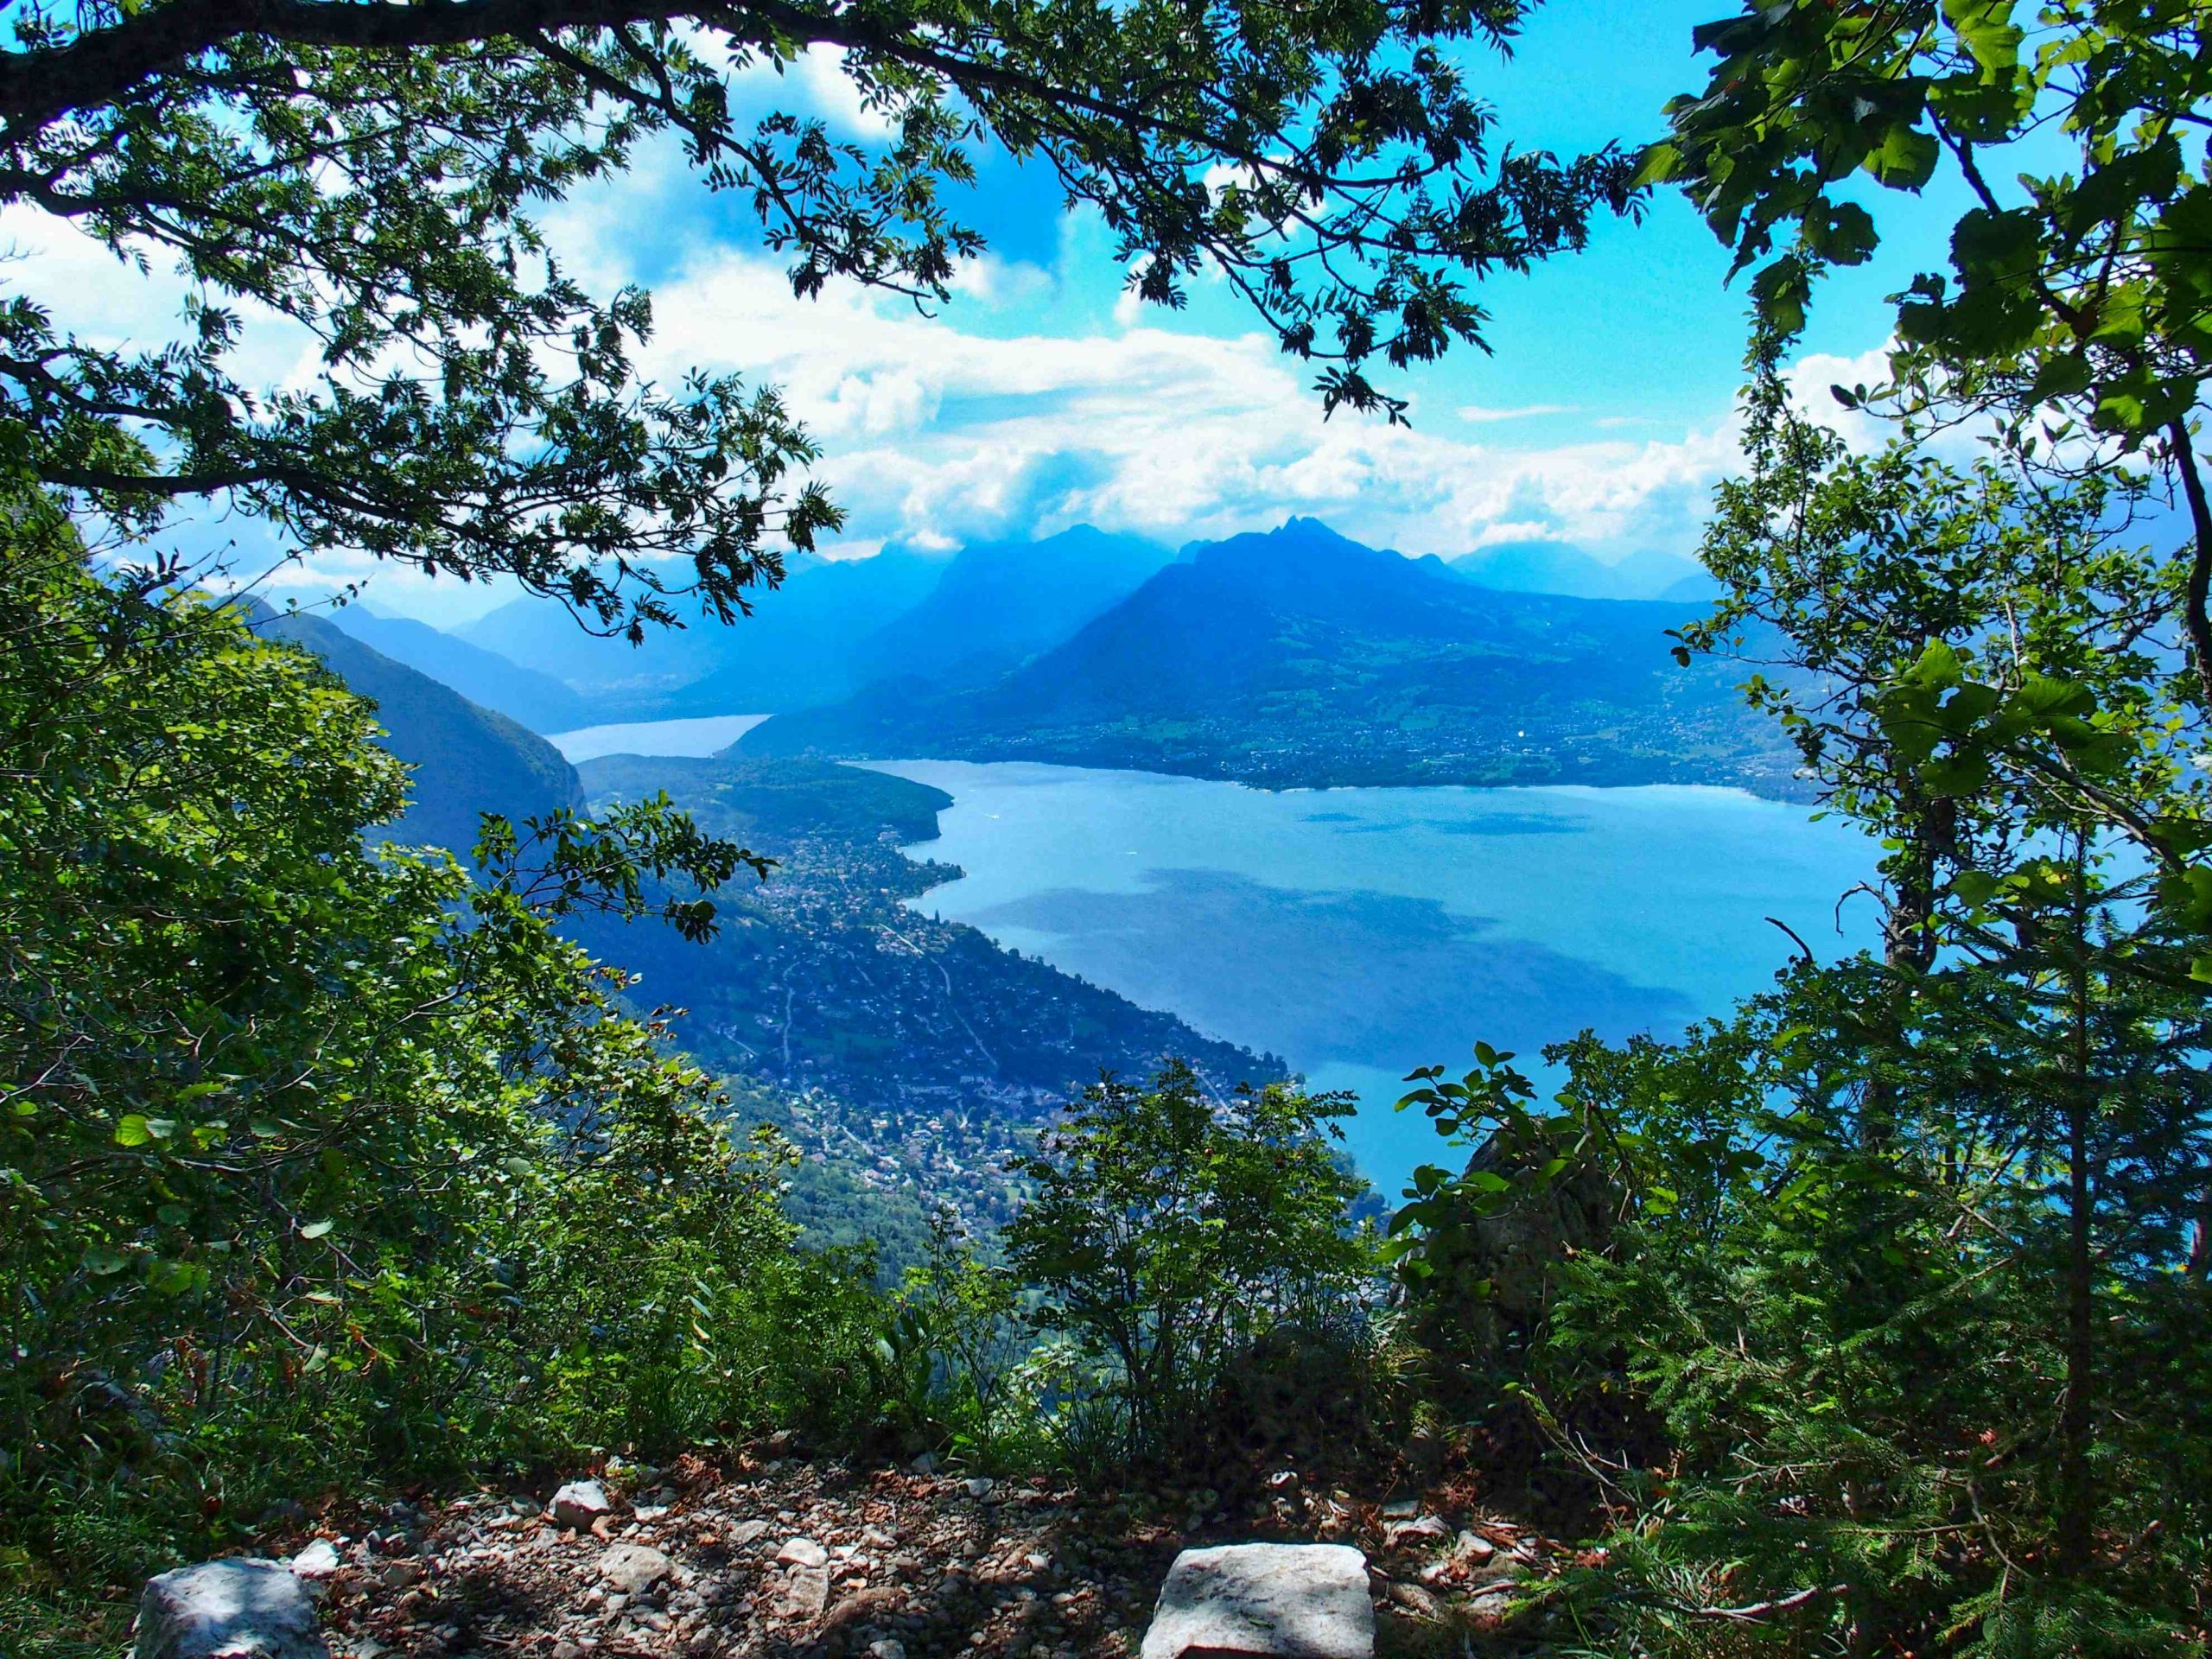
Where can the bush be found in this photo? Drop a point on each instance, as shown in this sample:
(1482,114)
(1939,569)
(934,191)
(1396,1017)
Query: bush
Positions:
(1172,1232)
(319,1167)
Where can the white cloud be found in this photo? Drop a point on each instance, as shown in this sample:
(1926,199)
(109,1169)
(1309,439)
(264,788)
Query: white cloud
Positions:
(932,431)
(1478,415)
(115,303)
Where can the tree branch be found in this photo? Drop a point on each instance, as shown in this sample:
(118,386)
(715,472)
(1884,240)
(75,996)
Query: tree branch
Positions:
(98,67)
(2193,615)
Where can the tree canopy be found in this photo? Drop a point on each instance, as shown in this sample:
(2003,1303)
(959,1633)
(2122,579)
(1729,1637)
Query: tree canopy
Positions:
(369,171)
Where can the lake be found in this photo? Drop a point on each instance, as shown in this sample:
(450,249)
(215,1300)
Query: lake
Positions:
(1359,933)
(707,734)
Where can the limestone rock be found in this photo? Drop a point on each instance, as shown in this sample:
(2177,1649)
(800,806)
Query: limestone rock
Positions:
(635,1567)
(579,1503)
(803,1552)
(320,1559)
(747,1533)
(807,1593)
(1292,1601)
(235,1609)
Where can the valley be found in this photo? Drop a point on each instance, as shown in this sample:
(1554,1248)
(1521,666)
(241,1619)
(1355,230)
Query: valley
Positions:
(907,1057)
(948,949)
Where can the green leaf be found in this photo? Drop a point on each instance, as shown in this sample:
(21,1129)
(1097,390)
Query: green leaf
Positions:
(1906,159)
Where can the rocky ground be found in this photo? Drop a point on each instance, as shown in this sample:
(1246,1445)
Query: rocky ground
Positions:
(771,1554)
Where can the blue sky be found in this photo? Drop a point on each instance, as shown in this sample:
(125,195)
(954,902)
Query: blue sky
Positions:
(1042,395)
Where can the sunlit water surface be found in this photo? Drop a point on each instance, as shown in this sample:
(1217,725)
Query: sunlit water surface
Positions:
(1360,932)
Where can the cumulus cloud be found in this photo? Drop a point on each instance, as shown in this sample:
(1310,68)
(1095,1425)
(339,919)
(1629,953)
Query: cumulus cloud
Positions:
(934,430)
(1034,400)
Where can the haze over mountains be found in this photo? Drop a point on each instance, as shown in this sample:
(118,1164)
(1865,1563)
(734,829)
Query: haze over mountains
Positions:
(1301,658)
(839,634)
(1558,567)
(807,642)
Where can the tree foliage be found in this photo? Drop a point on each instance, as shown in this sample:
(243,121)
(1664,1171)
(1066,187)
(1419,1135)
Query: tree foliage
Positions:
(2074,310)
(1170,1230)
(1907,1260)
(321,1164)
(369,173)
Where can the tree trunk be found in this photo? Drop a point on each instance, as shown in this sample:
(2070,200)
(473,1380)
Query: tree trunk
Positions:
(2076,1490)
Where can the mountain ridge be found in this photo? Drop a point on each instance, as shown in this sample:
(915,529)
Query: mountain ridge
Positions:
(1299,657)
(467,760)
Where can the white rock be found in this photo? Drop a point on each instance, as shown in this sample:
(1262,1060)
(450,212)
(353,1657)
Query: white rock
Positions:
(579,1503)
(890,1648)
(808,1593)
(747,1532)
(977,1486)
(803,1552)
(318,1560)
(633,1568)
(234,1609)
(1293,1601)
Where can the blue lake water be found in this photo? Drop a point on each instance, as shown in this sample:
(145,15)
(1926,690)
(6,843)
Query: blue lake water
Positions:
(1360,932)
(706,734)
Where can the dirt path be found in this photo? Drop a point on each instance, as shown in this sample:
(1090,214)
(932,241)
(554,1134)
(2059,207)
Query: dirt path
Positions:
(774,1556)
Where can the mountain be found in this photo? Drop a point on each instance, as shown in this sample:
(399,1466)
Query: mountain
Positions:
(1301,658)
(1000,602)
(1699,588)
(806,642)
(537,701)
(467,760)
(1560,568)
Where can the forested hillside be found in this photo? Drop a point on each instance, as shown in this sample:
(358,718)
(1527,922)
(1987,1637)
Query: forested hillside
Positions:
(465,760)
(1300,657)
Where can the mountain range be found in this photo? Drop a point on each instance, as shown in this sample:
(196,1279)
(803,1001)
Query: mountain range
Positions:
(1294,658)
(524,695)
(1300,657)
(999,603)
(806,642)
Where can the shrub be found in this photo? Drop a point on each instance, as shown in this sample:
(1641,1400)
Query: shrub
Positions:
(1172,1230)
(321,1166)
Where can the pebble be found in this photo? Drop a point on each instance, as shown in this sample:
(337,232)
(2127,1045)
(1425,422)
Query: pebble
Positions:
(579,1503)
(803,1552)
(858,1564)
